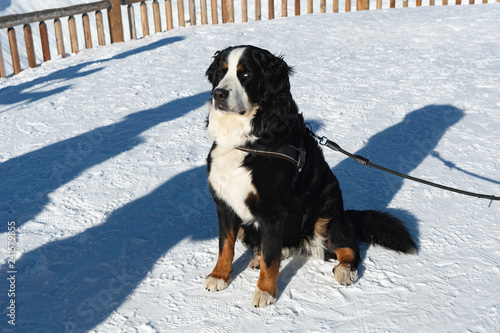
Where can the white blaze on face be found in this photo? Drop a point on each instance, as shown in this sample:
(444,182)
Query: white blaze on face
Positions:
(237,99)
(230,128)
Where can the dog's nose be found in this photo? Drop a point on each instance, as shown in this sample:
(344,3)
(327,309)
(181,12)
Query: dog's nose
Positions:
(220,94)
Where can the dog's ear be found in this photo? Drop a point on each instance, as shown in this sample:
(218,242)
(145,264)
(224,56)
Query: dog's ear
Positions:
(211,72)
(275,76)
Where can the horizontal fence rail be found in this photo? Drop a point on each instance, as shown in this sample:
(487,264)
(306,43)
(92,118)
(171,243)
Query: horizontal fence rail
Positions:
(51,14)
(224,8)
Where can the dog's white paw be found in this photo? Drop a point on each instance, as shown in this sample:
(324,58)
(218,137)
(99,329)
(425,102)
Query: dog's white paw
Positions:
(344,275)
(214,284)
(261,299)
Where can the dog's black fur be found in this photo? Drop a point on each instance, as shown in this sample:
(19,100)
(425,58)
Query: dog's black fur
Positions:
(293,211)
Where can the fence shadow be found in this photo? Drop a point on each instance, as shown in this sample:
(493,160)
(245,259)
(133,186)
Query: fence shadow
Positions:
(4,4)
(27,180)
(401,147)
(24,93)
(76,283)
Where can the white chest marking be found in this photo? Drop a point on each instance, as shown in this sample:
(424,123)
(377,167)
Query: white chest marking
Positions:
(230,181)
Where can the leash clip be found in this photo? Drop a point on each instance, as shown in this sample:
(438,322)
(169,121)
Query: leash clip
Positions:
(301,160)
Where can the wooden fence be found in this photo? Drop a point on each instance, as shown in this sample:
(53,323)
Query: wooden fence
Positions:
(115,25)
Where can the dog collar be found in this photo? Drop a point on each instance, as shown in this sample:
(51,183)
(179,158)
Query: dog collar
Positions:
(294,155)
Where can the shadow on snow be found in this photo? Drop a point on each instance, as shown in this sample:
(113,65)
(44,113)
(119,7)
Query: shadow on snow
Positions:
(76,283)
(37,89)
(401,147)
(28,180)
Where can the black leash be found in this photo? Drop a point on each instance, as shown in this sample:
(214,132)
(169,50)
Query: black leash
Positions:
(366,162)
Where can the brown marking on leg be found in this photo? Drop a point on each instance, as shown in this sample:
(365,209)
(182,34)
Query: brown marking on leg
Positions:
(268,277)
(267,290)
(224,264)
(345,256)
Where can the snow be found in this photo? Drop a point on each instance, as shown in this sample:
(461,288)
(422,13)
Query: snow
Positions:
(102,164)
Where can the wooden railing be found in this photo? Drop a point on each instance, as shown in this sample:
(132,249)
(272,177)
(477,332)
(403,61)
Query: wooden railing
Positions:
(52,14)
(115,25)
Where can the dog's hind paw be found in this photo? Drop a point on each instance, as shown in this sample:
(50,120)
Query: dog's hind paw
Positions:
(261,299)
(215,284)
(344,275)
(255,262)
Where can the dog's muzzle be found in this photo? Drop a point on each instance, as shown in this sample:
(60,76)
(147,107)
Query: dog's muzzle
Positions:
(220,96)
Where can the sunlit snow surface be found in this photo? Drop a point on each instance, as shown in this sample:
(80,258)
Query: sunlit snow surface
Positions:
(102,167)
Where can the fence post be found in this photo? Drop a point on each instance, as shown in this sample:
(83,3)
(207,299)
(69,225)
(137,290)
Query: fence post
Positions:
(244,11)
(86,31)
(335,6)
(180,9)
(258,14)
(59,38)
(215,17)
(44,38)
(100,28)
(227,11)
(2,67)
(30,48)
(204,13)
(115,22)
(72,34)
(168,14)
(192,12)
(270,9)
(14,53)
(131,21)
(144,19)
(156,16)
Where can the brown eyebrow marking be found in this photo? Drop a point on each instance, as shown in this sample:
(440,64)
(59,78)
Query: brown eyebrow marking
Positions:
(241,68)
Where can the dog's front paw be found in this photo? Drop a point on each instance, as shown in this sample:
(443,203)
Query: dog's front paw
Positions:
(261,299)
(214,284)
(344,275)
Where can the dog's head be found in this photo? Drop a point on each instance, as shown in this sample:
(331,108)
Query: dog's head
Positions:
(244,77)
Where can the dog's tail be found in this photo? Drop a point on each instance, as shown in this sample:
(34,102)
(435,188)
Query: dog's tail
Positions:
(374,227)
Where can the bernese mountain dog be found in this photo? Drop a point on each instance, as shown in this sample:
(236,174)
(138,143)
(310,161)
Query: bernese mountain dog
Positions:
(272,187)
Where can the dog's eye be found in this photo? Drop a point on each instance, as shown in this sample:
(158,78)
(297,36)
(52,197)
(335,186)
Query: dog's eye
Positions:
(244,75)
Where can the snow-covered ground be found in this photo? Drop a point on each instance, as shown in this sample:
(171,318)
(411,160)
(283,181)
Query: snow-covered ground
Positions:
(102,169)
